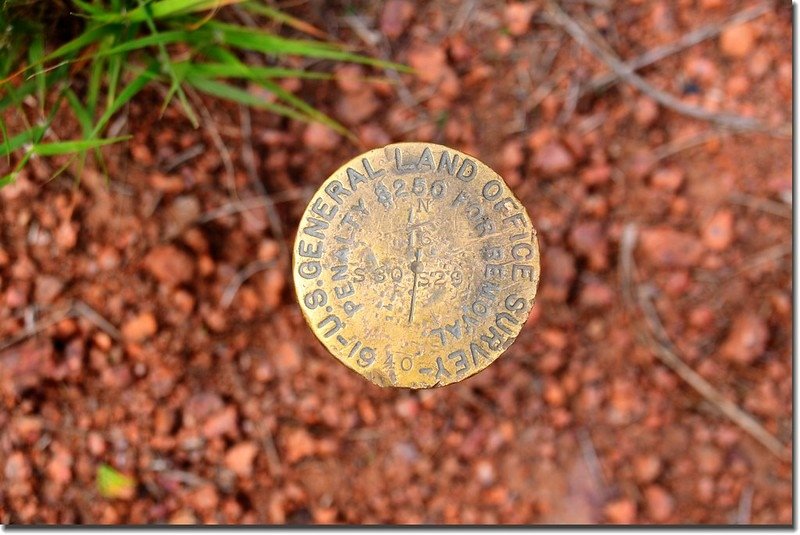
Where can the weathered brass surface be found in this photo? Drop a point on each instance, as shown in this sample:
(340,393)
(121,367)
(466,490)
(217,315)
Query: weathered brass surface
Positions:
(415,265)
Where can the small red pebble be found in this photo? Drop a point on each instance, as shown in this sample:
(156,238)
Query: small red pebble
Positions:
(596,175)
(596,295)
(288,358)
(667,247)
(737,41)
(647,468)
(297,445)
(553,159)
(204,498)
(95,443)
(747,339)
(349,78)
(239,459)
(518,17)
(660,504)
(718,233)
(140,328)
(646,111)
(701,317)
(554,338)
(407,408)
(320,137)
(668,179)
(169,265)
(429,62)
(553,393)
(622,511)
(395,17)
(221,423)
(709,459)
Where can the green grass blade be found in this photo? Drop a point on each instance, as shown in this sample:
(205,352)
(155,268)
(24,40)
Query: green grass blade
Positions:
(81,113)
(35,56)
(159,39)
(20,140)
(29,137)
(304,107)
(96,75)
(114,69)
(15,95)
(252,72)
(85,39)
(235,94)
(284,18)
(7,179)
(5,140)
(90,10)
(166,63)
(161,9)
(85,120)
(125,96)
(232,63)
(258,41)
(10,177)
(267,42)
(174,87)
(115,63)
(68,147)
(223,56)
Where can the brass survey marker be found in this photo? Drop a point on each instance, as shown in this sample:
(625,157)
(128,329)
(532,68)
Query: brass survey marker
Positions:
(415,265)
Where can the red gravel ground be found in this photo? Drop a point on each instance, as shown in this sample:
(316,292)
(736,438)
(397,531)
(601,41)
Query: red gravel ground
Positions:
(127,340)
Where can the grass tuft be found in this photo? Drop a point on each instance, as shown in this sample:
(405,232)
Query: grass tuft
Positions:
(94,56)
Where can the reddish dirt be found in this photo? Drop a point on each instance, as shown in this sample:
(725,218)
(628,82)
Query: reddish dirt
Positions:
(236,414)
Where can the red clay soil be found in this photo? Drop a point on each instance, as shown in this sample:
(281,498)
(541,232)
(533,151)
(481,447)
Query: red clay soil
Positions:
(147,325)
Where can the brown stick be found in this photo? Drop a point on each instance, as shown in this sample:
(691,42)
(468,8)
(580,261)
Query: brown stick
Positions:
(211,129)
(674,147)
(757,203)
(688,40)
(598,48)
(249,158)
(235,207)
(656,336)
(80,308)
(54,318)
(237,280)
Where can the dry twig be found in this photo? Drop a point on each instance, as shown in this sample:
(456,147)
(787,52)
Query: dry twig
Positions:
(688,40)
(237,280)
(765,205)
(82,309)
(745,506)
(598,48)
(76,308)
(29,318)
(273,459)
(184,156)
(249,158)
(40,326)
(762,257)
(235,207)
(461,18)
(657,338)
(211,129)
(570,102)
(360,28)
(679,145)
(591,458)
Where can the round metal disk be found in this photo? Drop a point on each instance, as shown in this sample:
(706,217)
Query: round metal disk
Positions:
(415,265)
